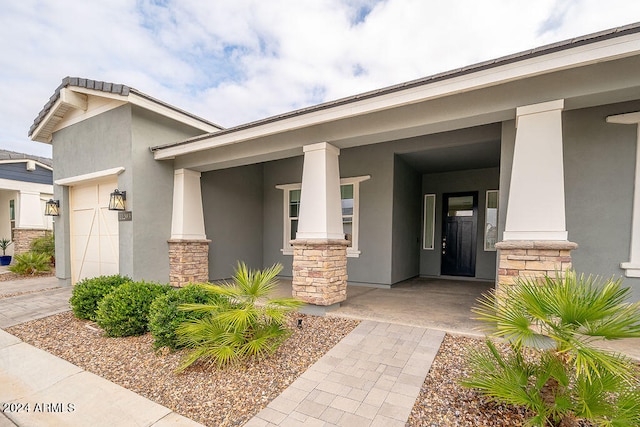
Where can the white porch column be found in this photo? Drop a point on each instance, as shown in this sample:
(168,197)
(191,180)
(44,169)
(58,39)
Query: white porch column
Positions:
(535,238)
(320,205)
(632,268)
(30,211)
(536,209)
(187,221)
(188,246)
(320,248)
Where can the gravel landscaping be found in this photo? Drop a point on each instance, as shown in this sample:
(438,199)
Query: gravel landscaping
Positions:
(213,397)
(232,396)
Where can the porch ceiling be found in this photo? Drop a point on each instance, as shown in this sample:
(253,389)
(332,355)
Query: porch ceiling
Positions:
(461,157)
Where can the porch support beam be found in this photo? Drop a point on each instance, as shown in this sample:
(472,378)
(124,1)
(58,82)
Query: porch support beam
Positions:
(320,206)
(536,207)
(320,248)
(187,221)
(188,246)
(535,241)
(632,267)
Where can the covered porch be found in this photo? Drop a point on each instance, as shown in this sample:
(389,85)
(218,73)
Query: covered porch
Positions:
(436,303)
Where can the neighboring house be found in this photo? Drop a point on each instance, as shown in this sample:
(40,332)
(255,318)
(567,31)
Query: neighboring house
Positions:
(26,183)
(531,154)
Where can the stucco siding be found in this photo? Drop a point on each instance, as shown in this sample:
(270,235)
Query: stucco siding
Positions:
(286,171)
(150,196)
(479,180)
(599,161)
(374,265)
(406,222)
(98,143)
(232,202)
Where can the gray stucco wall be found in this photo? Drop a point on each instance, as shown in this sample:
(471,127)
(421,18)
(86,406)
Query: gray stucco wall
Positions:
(406,222)
(286,171)
(98,143)
(479,180)
(374,265)
(121,138)
(232,202)
(150,196)
(599,161)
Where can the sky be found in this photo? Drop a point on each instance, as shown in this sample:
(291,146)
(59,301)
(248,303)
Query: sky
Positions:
(235,61)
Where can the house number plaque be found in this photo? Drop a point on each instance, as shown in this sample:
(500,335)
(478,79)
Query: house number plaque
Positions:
(125,216)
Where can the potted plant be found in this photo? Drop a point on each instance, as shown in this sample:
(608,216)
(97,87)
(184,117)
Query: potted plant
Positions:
(4,244)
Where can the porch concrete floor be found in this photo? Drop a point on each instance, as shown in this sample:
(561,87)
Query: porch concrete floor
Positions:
(433,303)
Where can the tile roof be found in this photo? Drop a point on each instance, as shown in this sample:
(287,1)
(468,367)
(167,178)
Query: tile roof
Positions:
(12,155)
(118,89)
(516,57)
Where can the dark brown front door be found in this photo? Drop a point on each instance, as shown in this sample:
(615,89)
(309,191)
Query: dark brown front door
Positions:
(460,224)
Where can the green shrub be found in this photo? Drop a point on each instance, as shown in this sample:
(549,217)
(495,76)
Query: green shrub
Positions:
(31,263)
(241,322)
(569,377)
(125,311)
(45,245)
(165,317)
(87,293)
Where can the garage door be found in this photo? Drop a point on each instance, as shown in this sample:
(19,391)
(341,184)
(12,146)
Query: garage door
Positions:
(94,231)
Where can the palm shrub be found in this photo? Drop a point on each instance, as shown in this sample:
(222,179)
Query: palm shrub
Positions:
(31,263)
(88,292)
(241,322)
(45,245)
(125,311)
(553,364)
(165,317)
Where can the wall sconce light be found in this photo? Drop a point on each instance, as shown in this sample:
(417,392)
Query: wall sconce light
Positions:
(52,208)
(116,201)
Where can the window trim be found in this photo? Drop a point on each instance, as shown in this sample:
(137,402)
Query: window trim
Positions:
(486,216)
(353,251)
(431,238)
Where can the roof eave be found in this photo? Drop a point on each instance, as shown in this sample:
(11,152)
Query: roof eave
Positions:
(603,46)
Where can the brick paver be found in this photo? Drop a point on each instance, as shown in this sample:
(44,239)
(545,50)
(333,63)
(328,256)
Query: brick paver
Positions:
(370,378)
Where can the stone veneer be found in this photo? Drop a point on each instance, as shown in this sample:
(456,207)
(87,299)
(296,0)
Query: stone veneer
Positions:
(320,271)
(534,259)
(188,261)
(22,238)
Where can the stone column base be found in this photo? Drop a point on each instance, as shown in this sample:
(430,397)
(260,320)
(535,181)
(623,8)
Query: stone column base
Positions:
(532,259)
(22,238)
(320,271)
(188,261)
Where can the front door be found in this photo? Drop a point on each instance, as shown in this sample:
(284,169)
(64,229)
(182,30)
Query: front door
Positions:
(460,224)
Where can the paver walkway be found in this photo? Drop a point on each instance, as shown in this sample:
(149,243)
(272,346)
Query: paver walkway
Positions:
(22,308)
(370,378)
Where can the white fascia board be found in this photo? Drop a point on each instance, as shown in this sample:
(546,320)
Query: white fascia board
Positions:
(606,50)
(147,104)
(42,165)
(11,185)
(171,113)
(79,179)
(625,119)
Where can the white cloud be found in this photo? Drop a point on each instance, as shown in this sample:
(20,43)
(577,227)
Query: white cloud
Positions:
(233,62)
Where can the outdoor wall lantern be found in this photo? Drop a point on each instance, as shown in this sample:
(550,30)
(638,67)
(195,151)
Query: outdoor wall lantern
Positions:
(116,201)
(52,208)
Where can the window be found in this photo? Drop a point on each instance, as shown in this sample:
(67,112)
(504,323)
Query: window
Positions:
(429,221)
(491,221)
(349,195)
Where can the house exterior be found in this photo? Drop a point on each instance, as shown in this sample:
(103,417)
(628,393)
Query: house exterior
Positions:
(26,183)
(521,165)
